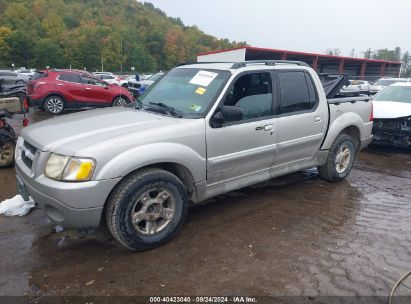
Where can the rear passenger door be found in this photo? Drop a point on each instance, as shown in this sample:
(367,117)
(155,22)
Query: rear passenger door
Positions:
(70,86)
(302,119)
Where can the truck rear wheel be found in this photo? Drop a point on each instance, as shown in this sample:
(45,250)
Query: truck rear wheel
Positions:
(340,159)
(147,209)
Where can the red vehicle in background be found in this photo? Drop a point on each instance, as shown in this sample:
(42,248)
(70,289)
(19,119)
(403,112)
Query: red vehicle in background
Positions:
(55,90)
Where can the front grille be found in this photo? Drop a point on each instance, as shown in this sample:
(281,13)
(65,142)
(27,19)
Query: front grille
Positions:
(390,124)
(26,160)
(28,152)
(30,147)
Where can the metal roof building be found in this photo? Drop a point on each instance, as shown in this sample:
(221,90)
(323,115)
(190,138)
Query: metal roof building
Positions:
(361,68)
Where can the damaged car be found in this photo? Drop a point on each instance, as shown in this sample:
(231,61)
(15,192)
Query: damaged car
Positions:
(392,116)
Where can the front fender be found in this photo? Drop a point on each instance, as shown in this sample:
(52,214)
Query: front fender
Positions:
(141,156)
(342,122)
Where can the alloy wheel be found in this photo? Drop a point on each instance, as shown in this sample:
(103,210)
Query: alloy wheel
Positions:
(153,211)
(343,159)
(55,105)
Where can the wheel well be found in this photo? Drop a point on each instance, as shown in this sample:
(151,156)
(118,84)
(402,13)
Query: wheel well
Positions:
(120,95)
(354,132)
(54,94)
(177,169)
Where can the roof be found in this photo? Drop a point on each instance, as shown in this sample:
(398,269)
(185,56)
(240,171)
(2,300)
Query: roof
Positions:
(252,48)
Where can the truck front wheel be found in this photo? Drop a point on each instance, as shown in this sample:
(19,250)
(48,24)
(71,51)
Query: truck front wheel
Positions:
(147,209)
(340,159)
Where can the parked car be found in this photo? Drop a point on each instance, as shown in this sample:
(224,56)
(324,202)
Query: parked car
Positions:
(9,105)
(102,73)
(142,85)
(200,131)
(55,90)
(25,74)
(392,116)
(114,79)
(380,84)
(10,77)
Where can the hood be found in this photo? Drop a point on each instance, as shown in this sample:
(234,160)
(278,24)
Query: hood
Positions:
(391,109)
(70,133)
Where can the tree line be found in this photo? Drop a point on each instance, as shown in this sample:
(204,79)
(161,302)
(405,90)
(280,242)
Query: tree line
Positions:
(112,35)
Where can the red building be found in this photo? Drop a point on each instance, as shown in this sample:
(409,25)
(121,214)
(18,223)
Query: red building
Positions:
(361,68)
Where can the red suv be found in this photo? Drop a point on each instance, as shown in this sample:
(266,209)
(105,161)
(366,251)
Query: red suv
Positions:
(55,90)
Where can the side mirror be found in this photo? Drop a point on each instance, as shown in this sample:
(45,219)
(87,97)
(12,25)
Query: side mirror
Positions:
(227,114)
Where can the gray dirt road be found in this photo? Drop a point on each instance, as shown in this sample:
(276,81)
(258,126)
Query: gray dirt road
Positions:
(295,235)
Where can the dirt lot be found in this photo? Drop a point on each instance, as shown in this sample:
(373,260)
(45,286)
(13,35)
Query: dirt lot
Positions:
(295,235)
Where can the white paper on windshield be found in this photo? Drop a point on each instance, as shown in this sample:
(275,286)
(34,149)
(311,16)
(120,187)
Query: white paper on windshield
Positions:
(203,78)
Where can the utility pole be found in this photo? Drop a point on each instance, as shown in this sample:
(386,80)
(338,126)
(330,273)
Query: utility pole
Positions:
(121,55)
(101,58)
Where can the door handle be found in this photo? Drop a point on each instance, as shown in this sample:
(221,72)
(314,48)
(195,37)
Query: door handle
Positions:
(317,119)
(60,84)
(88,88)
(265,128)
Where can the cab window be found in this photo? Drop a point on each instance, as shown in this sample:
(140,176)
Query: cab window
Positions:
(253,93)
(297,92)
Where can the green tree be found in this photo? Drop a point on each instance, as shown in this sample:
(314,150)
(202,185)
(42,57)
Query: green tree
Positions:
(21,48)
(48,53)
(5,33)
(53,25)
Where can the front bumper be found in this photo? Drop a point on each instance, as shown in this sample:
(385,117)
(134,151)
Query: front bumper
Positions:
(395,138)
(71,205)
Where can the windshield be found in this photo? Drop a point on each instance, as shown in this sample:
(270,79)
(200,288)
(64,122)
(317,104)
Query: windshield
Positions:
(395,93)
(189,91)
(387,82)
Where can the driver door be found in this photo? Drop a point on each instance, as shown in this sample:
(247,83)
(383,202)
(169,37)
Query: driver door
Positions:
(244,147)
(95,91)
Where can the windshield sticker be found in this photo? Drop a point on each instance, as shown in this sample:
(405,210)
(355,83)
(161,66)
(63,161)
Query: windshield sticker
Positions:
(200,91)
(195,107)
(203,78)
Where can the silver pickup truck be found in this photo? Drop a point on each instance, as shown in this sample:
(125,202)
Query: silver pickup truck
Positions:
(201,130)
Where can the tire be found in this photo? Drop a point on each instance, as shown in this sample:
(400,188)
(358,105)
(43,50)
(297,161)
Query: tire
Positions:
(340,159)
(149,195)
(120,101)
(7,151)
(54,105)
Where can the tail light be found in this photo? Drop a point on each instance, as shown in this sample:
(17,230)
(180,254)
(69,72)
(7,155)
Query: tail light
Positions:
(25,122)
(372,112)
(1,123)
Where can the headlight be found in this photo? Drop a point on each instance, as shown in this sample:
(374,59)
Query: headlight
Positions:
(69,169)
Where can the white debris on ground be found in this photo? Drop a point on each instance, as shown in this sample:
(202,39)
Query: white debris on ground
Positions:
(16,206)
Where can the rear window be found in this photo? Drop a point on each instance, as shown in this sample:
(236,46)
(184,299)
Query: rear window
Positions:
(38,75)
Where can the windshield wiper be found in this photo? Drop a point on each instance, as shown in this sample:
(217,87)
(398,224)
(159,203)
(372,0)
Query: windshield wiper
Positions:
(169,109)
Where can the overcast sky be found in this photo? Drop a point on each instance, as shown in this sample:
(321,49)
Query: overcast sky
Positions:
(300,25)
